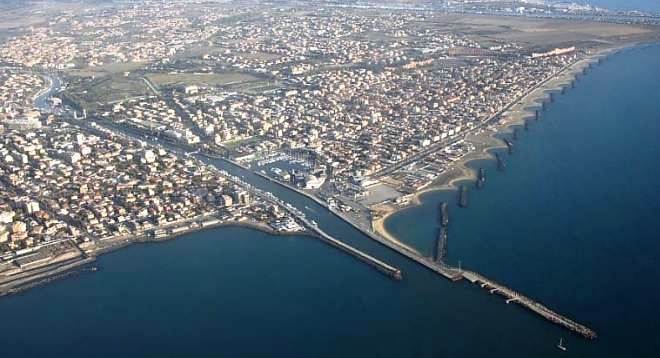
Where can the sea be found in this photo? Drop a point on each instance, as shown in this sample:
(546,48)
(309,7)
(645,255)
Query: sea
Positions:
(571,221)
(644,5)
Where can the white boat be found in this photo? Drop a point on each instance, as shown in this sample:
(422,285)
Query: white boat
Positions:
(560,345)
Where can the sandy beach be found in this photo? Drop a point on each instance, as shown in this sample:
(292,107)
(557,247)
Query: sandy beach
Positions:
(485,141)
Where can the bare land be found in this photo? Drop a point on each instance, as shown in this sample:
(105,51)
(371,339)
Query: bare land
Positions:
(532,32)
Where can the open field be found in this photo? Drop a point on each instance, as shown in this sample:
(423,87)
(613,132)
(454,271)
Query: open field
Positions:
(207,79)
(118,68)
(89,93)
(531,32)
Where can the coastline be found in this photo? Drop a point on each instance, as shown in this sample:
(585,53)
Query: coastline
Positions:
(61,270)
(487,140)
(484,139)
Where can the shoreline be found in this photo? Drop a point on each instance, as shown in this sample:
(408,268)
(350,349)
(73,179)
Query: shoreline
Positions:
(487,140)
(71,268)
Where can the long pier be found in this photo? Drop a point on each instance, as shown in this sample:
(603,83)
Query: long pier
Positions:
(536,307)
(510,295)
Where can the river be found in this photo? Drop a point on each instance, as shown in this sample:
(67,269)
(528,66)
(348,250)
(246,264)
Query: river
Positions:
(41,101)
(238,292)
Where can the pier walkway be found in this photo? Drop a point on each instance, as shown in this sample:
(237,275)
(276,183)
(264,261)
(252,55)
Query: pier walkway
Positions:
(543,311)
(510,295)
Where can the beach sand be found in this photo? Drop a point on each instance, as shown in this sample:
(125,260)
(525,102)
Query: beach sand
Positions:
(485,141)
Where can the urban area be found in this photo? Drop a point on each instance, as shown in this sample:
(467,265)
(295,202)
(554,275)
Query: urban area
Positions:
(109,115)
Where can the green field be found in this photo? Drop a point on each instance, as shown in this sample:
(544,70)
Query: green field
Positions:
(90,93)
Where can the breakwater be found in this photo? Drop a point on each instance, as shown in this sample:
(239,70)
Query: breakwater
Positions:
(441,242)
(436,265)
(493,287)
(528,303)
(481,178)
(389,270)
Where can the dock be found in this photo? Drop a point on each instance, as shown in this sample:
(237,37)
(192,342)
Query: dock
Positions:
(512,296)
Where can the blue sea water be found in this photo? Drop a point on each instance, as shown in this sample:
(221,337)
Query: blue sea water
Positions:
(645,5)
(573,219)
(571,222)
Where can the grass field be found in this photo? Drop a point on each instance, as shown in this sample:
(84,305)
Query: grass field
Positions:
(90,93)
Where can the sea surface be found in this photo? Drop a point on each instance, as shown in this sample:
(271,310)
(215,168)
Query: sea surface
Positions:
(645,5)
(572,221)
